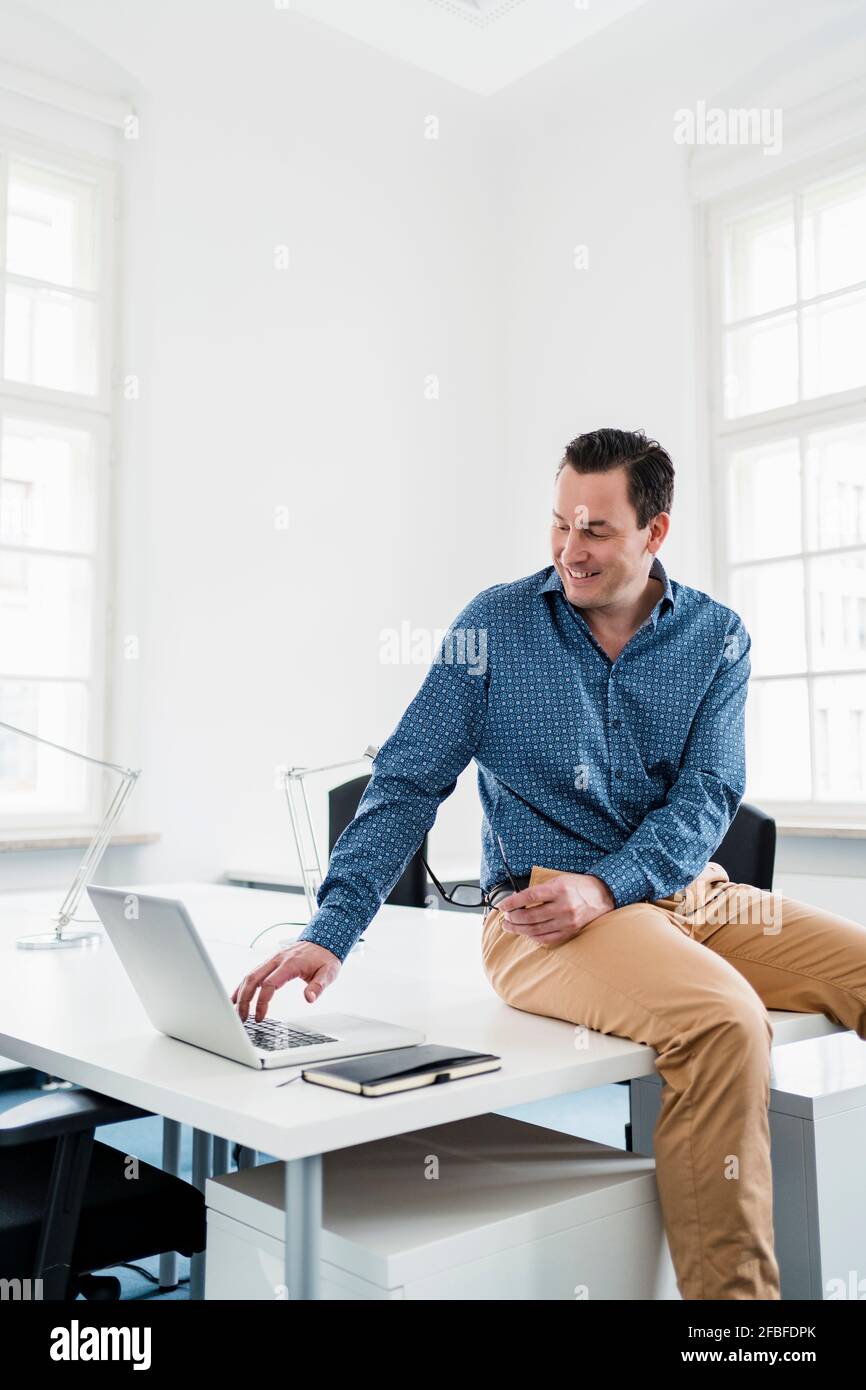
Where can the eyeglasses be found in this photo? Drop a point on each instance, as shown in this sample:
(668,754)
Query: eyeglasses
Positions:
(470,894)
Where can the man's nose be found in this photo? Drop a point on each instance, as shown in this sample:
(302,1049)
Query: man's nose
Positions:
(575,547)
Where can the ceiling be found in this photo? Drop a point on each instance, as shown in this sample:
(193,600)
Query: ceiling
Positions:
(481,45)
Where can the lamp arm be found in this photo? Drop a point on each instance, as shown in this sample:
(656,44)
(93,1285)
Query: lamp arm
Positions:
(302,822)
(369,752)
(73,752)
(95,849)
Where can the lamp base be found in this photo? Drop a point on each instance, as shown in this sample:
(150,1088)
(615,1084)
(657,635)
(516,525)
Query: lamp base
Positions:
(51,941)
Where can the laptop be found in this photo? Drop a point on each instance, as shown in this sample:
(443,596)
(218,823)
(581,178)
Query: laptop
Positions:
(184,997)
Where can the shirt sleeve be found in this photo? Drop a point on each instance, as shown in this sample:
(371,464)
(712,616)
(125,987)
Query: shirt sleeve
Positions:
(674,842)
(413,773)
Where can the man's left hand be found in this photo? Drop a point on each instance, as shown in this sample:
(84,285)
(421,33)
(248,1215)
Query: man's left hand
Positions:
(557,910)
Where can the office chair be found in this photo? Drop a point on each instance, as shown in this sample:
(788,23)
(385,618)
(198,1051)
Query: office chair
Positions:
(410,890)
(68,1206)
(748,854)
(748,851)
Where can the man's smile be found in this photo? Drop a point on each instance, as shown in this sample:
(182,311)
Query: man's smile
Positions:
(580,576)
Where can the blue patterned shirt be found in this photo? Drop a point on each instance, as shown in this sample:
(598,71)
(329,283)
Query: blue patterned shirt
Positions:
(631,770)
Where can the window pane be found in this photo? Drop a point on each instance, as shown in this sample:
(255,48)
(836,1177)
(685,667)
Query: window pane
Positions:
(837,586)
(836,486)
(834,235)
(777,741)
(759,262)
(764,501)
(51,226)
(35,780)
(45,605)
(50,340)
(761,366)
(770,600)
(840,738)
(47,485)
(834,345)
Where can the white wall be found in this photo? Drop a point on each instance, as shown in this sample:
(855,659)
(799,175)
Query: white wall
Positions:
(305,388)
(587,156)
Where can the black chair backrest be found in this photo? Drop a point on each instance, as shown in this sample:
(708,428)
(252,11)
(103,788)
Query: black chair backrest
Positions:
(748,851)
(410,890)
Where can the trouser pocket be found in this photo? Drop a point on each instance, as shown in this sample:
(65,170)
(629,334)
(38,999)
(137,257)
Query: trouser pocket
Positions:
(694,905)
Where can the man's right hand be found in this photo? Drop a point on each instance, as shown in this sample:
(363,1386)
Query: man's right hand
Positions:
(303,960)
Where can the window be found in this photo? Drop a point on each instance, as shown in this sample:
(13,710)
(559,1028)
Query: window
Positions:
(788,421)
(57,219)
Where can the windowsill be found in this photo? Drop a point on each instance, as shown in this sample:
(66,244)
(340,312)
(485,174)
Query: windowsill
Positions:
(830,830)
(14,841)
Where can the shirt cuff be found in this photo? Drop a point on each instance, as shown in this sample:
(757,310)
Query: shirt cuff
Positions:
(624,877)
(329,931)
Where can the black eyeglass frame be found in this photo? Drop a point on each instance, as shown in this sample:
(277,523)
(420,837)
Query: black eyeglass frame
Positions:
(483,896)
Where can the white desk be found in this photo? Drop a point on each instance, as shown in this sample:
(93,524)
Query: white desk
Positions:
(75,1014)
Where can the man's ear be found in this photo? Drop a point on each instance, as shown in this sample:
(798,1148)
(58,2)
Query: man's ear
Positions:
(659,526)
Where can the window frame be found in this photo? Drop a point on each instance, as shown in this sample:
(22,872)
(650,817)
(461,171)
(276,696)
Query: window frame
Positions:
(721,436)
(73,409)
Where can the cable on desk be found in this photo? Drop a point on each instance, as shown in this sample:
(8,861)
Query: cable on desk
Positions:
(271,928)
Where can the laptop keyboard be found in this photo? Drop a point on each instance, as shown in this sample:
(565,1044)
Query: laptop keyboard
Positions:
(272,1036)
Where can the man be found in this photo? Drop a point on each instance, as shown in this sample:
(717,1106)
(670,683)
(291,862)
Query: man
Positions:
(607,728)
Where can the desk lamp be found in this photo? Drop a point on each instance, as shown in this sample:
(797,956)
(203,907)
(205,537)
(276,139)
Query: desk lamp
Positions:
(59,938)
(302,822)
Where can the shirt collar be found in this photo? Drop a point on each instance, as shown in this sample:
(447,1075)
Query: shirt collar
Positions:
(553,584)
(658,571)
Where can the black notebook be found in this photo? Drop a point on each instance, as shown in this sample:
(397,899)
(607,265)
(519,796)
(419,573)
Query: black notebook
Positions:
(401,1069)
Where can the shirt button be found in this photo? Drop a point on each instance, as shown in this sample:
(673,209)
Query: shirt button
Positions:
(619,772)
(614,723)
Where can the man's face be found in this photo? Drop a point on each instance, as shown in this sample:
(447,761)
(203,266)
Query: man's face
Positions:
(599,553)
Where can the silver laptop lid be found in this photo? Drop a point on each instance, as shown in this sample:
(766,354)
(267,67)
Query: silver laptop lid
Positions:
(171,971)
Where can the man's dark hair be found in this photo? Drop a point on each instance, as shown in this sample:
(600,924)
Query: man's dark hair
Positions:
(649,468)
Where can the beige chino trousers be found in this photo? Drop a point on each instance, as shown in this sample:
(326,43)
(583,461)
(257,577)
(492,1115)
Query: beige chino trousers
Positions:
(693,977)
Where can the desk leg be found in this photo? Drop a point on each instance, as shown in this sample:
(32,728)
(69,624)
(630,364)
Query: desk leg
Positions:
(303,1190)
(220,1163)
(201,1161)
(170,1164)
